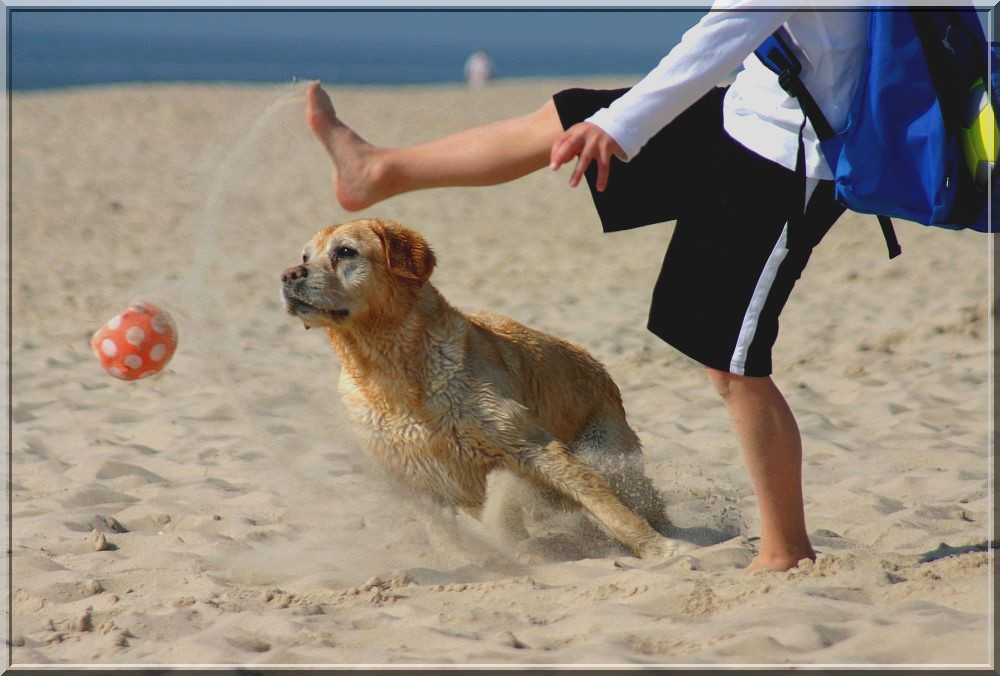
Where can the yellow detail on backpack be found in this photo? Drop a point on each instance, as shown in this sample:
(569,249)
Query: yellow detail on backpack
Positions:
(979,134)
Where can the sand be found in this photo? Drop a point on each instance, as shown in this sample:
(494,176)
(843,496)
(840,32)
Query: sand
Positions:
(221,512)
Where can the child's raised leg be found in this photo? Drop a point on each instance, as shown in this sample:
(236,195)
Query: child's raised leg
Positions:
(493,153)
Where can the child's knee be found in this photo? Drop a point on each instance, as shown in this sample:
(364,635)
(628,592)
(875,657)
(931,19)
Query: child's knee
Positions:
(722,380)
(729,384)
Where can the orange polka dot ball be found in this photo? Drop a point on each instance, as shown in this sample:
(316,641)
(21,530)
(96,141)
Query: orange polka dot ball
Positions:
(137,343)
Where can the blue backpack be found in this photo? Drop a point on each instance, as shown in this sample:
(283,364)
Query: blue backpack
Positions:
(901,152)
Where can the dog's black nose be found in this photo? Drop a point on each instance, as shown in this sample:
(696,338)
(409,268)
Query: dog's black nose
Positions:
(291,274)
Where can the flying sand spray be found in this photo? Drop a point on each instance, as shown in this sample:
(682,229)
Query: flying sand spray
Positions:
(192,298)
(140,341)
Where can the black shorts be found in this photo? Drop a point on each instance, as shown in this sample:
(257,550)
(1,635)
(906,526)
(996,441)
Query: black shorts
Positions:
(733,258)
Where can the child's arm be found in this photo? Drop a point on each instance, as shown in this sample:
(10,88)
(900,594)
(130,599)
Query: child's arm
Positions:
(708,53)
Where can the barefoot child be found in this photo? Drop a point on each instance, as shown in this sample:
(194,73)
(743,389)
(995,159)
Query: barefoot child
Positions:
(720,162)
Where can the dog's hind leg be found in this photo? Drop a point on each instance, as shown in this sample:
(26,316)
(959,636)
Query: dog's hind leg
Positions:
(610,446)
(552,463)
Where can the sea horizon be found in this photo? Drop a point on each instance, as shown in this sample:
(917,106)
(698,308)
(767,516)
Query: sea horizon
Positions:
(67,48)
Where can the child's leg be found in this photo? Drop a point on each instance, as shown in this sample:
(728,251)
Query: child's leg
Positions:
(772,449)
(487,155)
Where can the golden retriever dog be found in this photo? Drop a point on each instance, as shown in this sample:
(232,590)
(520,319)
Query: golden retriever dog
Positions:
(440,399)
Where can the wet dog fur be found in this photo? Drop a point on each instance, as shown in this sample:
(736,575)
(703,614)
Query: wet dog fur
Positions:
(441,399)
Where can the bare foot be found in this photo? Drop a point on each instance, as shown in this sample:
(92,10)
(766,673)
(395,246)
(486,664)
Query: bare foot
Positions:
(778,563)
(359,177)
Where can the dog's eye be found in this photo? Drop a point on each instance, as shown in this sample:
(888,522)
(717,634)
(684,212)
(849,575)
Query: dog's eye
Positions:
(345,252)
(305,258)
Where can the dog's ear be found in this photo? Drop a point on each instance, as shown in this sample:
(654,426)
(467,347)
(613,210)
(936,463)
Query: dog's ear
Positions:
(407,254)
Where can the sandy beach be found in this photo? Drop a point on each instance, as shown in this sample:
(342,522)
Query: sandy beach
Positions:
(222,513)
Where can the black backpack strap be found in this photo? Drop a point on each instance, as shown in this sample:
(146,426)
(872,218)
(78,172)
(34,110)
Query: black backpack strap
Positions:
(891,242)
(779,58)
(792,84)
(777,55)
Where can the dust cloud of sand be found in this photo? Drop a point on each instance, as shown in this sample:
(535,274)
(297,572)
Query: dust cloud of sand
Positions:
(343,521)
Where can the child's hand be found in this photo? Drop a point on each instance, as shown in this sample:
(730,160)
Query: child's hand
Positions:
(588,142)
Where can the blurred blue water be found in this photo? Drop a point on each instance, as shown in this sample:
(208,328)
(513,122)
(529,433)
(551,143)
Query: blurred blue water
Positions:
(70,48)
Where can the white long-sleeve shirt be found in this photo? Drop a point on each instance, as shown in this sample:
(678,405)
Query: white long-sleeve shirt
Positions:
(756,111)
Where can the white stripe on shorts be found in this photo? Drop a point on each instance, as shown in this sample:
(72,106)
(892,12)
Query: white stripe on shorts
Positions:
(748,329)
